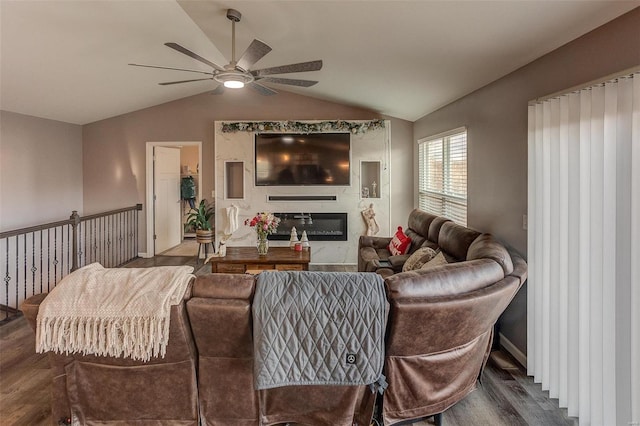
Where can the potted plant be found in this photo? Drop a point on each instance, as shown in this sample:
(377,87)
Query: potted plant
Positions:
(198,219)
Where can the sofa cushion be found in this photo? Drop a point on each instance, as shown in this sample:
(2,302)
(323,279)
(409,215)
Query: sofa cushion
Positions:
(434,228)
(417,240)
(418,258)
(486,246)
(397,262)
(400,243)
(455,240)
(419,221)
(437,260)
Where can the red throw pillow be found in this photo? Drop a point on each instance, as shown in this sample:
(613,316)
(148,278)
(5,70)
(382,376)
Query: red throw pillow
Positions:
(400,243)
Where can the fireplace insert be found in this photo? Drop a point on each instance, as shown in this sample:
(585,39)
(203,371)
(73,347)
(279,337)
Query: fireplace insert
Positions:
(319,226)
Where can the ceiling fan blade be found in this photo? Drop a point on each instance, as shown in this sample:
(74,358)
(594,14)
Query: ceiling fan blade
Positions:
(170,68)
(290,81)
(283,69)
(168,83)
(263,90)
(195,56)
(253,54)
(218,90)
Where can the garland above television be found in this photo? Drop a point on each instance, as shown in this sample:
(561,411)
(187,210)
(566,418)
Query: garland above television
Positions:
(355,127)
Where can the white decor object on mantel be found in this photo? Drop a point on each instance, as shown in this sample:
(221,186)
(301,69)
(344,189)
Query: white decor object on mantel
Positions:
(305,241)
(294,238)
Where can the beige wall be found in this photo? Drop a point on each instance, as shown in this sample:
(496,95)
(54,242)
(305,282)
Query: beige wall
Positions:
(496,121)
(40,170)
(114,149)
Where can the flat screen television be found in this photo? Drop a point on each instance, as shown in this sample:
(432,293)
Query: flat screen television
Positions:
(286,159)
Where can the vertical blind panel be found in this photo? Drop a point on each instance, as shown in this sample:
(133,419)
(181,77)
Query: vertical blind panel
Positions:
(539,247)
(531,149)
(554,242)
(635,253)
(573,265)
(584,275)
(596,261)
(609,160)
(546,245)
(563,247)
(583,244)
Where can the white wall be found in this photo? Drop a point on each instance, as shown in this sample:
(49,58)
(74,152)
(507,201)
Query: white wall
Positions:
(40,170)
(370,146)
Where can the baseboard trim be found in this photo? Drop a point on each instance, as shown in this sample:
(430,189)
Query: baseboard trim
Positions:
(513,350)
(144,255)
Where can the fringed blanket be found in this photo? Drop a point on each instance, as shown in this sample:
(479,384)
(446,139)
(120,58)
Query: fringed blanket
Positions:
(111,312)
(318,328)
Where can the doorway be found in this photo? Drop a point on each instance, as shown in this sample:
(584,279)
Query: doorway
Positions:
(157,211)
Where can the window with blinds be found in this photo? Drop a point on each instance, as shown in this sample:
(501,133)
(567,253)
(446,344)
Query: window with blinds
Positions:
(442,186)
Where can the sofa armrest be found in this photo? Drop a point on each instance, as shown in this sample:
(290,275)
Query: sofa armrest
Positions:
(369,250)
(30,308)
(446,280)
(375,242)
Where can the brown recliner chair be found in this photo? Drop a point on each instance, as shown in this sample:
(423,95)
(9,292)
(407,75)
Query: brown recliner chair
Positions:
(440,331)
(105,390)
(221,320)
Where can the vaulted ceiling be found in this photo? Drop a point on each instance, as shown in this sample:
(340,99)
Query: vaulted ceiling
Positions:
(67,60)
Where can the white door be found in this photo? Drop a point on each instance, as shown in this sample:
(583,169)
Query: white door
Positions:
(166,188)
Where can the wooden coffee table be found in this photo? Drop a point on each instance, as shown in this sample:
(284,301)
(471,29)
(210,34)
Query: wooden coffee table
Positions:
(242,259)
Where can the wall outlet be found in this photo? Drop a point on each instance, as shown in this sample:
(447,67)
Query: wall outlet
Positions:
(213,194)
(525,222)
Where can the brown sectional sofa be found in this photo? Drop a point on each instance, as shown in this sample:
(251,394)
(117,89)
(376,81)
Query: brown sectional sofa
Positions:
(438,338)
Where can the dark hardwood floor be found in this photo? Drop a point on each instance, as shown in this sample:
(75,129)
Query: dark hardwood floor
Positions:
(506,396)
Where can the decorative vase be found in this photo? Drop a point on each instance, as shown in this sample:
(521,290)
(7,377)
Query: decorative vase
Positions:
(262,244)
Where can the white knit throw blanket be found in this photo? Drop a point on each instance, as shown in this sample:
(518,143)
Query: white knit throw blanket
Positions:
(112,312)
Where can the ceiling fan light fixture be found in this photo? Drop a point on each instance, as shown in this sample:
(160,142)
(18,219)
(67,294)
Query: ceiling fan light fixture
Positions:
(234,84)
(233,79)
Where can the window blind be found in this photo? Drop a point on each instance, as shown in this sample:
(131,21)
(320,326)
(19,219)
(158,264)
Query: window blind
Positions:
(442,175)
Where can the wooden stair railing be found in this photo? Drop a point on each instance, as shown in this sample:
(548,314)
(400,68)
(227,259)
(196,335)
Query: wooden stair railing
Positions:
(34,259)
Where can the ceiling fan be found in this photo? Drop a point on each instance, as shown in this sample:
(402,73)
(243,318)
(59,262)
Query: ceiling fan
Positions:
(237,74)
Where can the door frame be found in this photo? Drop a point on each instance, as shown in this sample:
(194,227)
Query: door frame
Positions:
(150,252)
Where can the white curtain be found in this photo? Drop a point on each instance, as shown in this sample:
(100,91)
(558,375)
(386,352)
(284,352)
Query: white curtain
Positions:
(583,306)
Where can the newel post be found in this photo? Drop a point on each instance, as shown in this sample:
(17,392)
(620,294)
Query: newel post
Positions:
(74,226)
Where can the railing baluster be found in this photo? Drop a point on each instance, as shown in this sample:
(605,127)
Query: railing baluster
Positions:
(48,260)
(33,263)
(41,250)
(24,259)
(17,266)
(7,278)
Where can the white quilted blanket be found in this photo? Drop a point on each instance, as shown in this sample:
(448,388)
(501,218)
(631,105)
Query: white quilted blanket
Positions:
(318,328)
(112,312)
